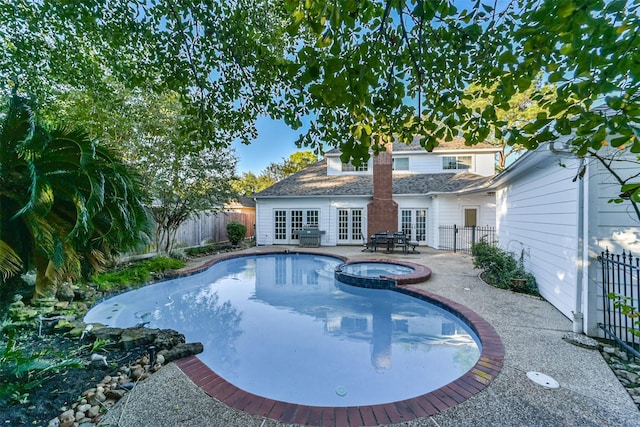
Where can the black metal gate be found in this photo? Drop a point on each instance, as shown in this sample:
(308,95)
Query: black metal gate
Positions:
(620,294)
(460,239)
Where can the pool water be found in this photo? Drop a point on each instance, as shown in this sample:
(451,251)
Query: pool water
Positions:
(280,327)
(375,269)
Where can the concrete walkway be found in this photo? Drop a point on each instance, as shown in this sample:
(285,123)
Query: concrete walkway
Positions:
(531,331)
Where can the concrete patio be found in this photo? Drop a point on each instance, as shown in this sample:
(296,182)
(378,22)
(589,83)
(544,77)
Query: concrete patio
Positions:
(531,331)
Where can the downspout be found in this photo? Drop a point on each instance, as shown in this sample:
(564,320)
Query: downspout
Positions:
(255,225)
(578,316)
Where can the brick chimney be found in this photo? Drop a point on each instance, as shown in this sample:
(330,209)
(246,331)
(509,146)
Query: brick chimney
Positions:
(382,211)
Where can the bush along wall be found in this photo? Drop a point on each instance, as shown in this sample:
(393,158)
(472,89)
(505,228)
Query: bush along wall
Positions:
(502,269)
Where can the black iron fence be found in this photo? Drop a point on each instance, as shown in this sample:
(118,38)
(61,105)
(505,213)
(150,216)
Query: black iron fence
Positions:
(620,294)
(460,239)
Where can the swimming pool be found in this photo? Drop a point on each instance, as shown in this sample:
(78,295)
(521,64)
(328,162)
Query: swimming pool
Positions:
(279,326)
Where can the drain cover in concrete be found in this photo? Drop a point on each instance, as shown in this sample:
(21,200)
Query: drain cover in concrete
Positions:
(542,379)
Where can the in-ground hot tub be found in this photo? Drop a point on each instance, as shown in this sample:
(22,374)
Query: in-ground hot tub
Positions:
(381,274)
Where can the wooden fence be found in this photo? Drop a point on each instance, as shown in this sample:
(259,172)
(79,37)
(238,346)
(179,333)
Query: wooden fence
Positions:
(210,227)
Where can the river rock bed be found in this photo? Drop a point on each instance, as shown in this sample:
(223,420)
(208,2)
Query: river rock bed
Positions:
(626,368)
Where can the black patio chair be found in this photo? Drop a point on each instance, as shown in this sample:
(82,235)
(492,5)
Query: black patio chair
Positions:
(381,239)
(367,244)
(400,240)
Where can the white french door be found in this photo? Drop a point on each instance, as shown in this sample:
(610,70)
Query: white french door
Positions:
(413,223)
(350,226)
(288,221)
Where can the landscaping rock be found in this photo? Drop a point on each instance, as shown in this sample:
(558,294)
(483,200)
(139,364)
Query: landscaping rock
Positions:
(136,337)
(105,333)
(181,351)
(65,292)
(167,339)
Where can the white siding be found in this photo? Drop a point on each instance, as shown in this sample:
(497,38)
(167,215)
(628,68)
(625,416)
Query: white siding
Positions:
(485,164)
(452,209)
(334,167)
(611,226)
(537,216)
(616,226)
(425,162)
(328,215)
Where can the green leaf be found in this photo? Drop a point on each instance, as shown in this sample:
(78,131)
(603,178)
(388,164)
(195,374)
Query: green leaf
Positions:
(614,102)
(616,6)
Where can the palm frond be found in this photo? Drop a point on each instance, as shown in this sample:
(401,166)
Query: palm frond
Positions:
(10,262)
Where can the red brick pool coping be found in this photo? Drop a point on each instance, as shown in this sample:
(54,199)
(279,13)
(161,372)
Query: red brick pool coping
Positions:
(472,382)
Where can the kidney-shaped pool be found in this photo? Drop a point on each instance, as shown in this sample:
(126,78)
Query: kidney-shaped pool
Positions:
(280,326)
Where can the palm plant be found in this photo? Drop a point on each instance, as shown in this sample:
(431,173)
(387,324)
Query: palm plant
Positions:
(64,200)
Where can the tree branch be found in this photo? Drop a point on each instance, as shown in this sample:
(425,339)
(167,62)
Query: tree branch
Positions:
(618,178)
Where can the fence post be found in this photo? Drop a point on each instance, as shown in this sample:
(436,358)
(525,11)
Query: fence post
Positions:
(455,238)
(473,235)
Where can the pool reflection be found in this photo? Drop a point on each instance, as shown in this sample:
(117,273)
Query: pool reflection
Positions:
(282,327)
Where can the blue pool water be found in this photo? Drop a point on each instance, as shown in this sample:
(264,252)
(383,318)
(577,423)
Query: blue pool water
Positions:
(280,326)
(375,269)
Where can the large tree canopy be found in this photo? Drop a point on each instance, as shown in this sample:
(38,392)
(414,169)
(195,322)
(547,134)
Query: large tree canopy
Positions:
(402,68)
(354,69)
(221,56)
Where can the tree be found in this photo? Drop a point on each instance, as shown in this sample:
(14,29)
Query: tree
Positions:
(523,109)
(181,179)
(220,56)
(183,184)
(298,161)
(355,68)
(249,183)
(184,175)
(402,68)
(295,163)
(64,200)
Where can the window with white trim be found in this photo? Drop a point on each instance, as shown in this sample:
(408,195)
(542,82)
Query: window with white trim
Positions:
(348,167)
(400,163)
(457,162)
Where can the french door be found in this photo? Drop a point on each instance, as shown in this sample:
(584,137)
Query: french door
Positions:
(413,223)
(287,222)
(350,226)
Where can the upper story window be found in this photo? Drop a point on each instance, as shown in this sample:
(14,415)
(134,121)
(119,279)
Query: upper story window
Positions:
(348,167)
(400,163)
(457,162)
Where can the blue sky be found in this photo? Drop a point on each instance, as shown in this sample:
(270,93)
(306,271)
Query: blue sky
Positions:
(276,141)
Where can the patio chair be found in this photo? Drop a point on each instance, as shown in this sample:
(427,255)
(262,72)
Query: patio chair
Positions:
(401,241)
(381,239)
(367,244)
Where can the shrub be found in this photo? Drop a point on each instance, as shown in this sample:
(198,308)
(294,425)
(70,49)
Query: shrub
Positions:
(135,274)
(179,254)
(501,269)
(236,232)
(202,250)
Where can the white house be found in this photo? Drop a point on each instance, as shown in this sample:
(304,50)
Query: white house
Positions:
(414,191)
(553,208)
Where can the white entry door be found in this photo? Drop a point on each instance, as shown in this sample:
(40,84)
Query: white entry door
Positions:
(413,223)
